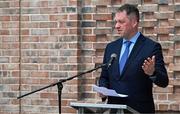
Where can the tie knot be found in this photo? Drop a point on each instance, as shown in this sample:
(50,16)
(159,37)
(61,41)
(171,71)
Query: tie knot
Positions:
(128,43)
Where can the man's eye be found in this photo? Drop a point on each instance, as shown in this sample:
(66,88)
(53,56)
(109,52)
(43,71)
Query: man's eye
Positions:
(119,22)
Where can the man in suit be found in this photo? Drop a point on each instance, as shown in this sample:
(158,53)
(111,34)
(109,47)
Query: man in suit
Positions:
(135,72)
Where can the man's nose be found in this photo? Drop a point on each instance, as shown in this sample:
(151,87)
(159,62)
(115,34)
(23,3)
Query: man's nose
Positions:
(117,25)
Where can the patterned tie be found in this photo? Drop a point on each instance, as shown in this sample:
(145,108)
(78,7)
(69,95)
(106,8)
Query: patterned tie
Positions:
(124,56)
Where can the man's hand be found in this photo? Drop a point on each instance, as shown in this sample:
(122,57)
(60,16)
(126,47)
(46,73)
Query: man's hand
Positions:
(149,66)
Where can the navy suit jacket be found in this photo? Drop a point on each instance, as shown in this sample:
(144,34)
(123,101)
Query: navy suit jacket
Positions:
(133,81)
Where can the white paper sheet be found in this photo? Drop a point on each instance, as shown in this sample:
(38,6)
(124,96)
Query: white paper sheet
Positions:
(107,92)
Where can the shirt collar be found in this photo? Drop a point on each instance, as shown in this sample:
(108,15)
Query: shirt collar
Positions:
(133,39)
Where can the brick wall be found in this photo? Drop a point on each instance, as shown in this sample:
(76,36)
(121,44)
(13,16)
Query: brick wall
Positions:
(43,41)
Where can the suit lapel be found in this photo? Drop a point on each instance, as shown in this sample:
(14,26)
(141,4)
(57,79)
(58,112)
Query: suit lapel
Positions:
(117,51)
(136,49)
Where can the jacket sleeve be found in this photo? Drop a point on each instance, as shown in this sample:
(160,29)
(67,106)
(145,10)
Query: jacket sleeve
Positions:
(160,76)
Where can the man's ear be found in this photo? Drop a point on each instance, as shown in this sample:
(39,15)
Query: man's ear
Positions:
(135,23)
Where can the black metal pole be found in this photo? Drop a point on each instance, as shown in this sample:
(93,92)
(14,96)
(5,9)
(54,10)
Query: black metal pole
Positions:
(60,85)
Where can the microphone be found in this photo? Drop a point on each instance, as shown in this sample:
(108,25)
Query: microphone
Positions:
(113,57)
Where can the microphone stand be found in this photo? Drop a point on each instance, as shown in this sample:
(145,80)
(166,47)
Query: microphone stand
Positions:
(60,85)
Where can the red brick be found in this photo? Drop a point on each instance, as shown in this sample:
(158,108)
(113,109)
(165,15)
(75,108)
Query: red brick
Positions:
(73,17)
(148,15)
(163,107)
(175,106)
(163,8)
(115,2)
(148,23)
(102,2)
(104,24)
(162,97)
(103,31)
(87,16)
(147,1)
(164,37)
(48,10)
(48,95)
(149,30)
(69,96)
(177,1)
(68,110)
(73,2)
(25,18)
(74,31)
(168,89)
(102,17)
(29,67)
(162,30)
(87,31)
(48,25)
(102,9)
(23,32)
(39,74)
(90,38)
(58,31)
(4,32)
(168,59)
(58,17)
(4,18)
(44,3)
(149,8)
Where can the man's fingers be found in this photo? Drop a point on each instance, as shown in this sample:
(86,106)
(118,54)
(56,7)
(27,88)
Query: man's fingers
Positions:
(143,67)
(148,65)
(153,59)
(150,61)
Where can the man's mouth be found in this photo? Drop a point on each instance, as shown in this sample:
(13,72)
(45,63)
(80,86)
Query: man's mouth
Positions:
(119,30)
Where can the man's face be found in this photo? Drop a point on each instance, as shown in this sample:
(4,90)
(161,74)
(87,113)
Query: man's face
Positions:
(124,25)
